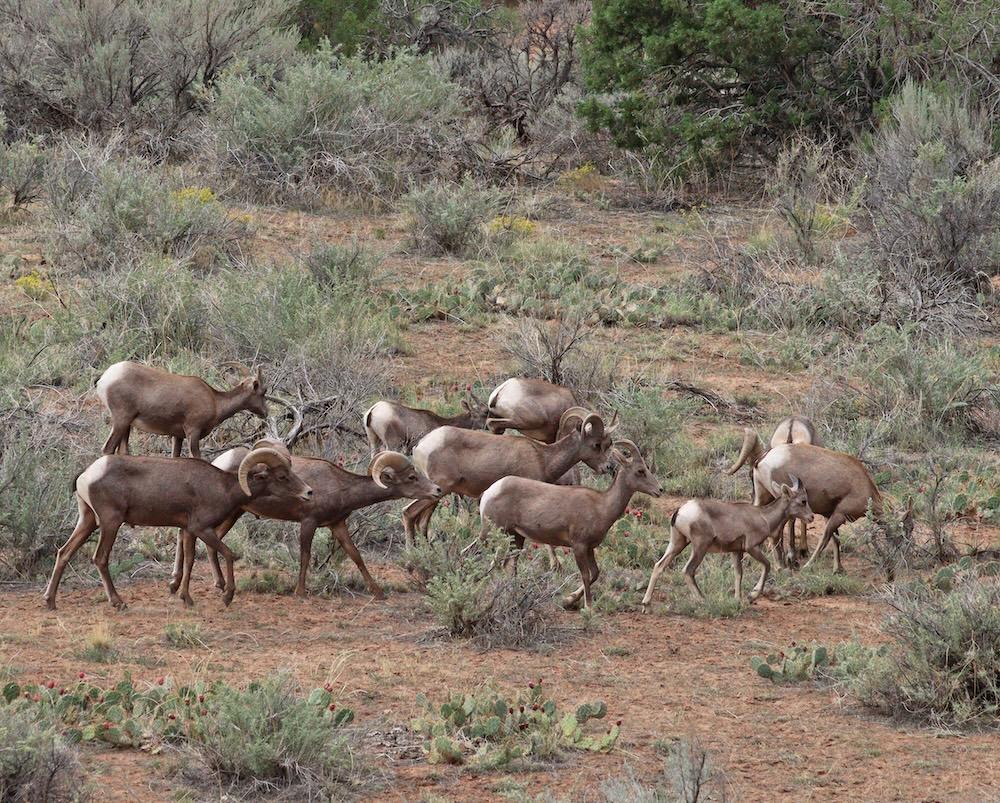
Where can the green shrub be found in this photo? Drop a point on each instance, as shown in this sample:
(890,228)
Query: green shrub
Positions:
(450,218)
(109,212)
(943,664)
(711,81)
(36,763)
(934,189)
(490,730)
(474,596)
(364,128)
(133,66)
(22,167)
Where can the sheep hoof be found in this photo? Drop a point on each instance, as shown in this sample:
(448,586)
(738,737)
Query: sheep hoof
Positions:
(188,602)
(173,587)
(220,584)
(379,594)
(50,604)
(118,604)
(228,597)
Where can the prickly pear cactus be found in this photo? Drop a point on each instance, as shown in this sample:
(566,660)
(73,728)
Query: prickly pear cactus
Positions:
(492,730)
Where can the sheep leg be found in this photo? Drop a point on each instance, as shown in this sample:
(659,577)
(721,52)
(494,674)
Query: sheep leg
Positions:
(213,541)
(738,573)
(119,434)
(698,552)
(109,531)
(194,443)
(583,564)
(177,573)
(306,532)
(677,545)
(758,555)
(595,571)
(344,537)
(213,554)
(832,526)
(188,539)
(411,516)
(803,548)
(553,559)
(425,518)
(85,526)
(177,447)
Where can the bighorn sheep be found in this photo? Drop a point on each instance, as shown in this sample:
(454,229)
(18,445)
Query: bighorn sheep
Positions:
(568,515)
(156,401)
(336,494)
(711,525)
(467,462)
(392,426)
(839,487)
(162,492)
(533,407)
(795,429)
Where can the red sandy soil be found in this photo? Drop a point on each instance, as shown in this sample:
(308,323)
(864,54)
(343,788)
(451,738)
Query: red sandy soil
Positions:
(676,677)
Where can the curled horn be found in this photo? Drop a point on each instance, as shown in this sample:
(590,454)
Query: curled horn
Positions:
(615,423)
(577,414)
(273,443)
(627,450)
(384,460)
(751,445)
(268,455)
(596,424)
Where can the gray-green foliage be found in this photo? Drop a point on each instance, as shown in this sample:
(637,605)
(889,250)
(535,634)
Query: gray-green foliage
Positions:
(22,165)
(361,128)
(473,596)
(267,737)
(36,763)
(446,218)
(99,65)
(108,210)
(934,188)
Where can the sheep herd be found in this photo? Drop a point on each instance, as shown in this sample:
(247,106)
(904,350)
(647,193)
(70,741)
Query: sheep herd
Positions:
(528,485)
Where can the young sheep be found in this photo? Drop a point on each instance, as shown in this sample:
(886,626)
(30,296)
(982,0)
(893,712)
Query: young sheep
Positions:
(467,462)
(794,429)
(336,494)
(710,525)
(392,426)
(162,403)
(162,492)
(568,515)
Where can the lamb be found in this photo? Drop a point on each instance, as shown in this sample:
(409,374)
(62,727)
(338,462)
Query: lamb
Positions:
(392,426)
(711,525)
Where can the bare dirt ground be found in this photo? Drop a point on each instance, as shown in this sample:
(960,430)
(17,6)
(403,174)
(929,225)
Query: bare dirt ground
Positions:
(664,676)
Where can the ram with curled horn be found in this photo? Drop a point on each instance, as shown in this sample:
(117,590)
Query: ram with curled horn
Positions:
(336,494)
(192,495)
(570,516)
(467,462)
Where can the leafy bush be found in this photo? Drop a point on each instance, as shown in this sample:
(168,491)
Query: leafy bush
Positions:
(22,166)
(943,665)
(473,596)
(548,279)
(109,211)
(712,81)
(450,218)
(934,189)
(364,128)
(490,730)
(892,388)
(36,763)
(264,737)
(97,66)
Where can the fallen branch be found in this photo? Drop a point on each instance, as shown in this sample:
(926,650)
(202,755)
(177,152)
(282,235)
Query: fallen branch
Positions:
(721,405)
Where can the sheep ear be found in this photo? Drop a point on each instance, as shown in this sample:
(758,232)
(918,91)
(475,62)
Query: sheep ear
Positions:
(778,489)
(796,482)
(386,477)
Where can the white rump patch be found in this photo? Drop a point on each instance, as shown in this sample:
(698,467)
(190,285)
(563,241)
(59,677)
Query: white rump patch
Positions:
(115,374)
(94,472)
